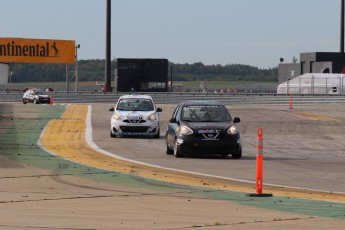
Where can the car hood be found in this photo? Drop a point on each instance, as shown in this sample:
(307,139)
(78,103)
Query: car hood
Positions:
(208,125)
(37,96)
(126,114)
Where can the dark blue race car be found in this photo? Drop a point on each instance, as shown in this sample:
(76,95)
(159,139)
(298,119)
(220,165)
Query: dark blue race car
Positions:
(203,128)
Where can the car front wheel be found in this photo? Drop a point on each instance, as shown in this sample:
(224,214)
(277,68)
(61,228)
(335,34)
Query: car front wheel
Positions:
(237,154)
(169,151)
(157,135)
(177,151)
(112,135)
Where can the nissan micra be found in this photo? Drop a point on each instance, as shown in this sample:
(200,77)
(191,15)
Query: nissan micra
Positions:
(203,127)
(36,96)
(135,115)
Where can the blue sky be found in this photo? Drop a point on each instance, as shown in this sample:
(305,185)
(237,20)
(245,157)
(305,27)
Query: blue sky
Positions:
(251,32)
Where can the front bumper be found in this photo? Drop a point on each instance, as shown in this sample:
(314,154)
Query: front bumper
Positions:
(193,145)
(127,129)
(44,100)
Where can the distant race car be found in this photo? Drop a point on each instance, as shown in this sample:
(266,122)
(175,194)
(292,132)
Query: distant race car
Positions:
(36,96)
(135,115)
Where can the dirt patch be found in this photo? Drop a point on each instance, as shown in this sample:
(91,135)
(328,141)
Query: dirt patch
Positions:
(6,163)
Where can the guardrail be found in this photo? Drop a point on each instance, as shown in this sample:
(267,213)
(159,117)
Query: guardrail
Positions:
(174,98)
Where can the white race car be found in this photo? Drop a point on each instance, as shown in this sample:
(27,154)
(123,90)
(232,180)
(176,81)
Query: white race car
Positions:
(36,96)
(135,115)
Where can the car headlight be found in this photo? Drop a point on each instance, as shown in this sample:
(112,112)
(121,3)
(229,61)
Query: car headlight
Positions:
(185,130)
(152,117)
(233,130)
(116,116)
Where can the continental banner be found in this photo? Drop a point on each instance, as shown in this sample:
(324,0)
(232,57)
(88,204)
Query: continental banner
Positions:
(37,50)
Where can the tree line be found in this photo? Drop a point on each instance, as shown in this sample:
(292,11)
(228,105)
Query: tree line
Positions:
(94,70)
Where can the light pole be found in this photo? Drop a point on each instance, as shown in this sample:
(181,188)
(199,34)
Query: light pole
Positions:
(66,78)
(11,75)
(76,67)
(342,12)
(108,47)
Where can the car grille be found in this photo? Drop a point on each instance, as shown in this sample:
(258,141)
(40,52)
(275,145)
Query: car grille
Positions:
(209,134)
(134,129)
(134,121)
(44,100)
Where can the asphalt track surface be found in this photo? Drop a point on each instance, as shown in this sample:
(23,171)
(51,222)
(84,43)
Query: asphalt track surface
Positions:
(303,149)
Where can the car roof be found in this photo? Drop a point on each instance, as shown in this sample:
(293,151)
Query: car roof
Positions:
(136,96)
(200,102)
(33,89)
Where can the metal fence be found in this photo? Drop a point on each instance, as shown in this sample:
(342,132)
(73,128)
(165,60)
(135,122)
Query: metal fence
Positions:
(87,87)
(174,98)
(71,87)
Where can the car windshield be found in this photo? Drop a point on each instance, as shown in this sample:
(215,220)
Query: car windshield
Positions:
(135,104)
(205,113)
(39,92)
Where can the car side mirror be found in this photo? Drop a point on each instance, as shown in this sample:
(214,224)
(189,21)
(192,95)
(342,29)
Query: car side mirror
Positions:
(237,120)
(112,109)
(159,109)
(173,120)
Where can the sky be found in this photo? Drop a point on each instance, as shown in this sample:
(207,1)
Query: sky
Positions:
(249,32)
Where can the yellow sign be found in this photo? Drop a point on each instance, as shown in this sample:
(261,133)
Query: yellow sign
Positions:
(37,50)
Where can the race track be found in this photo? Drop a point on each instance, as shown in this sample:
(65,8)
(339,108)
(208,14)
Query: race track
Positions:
(303,146)
(59,163)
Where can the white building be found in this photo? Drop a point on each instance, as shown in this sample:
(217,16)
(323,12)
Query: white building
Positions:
(314,83)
